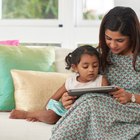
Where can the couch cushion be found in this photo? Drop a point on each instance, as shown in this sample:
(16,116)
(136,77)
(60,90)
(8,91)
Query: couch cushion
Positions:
(34,88)
(20,129)
(41,59)
(60,54)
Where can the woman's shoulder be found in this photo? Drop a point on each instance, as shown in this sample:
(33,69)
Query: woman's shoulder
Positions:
(122,63)
(138,57)
(115,58)
(138,63)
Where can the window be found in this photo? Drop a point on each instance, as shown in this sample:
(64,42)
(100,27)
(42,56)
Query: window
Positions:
(29,12)
(29,9)
(38,45)
(90,12)
(58,27)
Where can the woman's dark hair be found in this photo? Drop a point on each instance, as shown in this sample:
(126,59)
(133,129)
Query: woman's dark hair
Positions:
(75,56)
(124,20)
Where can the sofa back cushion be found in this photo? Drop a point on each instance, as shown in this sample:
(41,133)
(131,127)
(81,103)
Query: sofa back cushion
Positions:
(60,54)
(22,58)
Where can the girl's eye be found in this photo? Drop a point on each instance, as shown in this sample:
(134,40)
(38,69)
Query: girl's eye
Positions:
(95,66)
(85,67)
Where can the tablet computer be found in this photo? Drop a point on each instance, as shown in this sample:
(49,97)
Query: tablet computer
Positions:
(103,89)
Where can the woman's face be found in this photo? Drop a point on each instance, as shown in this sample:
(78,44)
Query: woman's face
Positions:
(118,43)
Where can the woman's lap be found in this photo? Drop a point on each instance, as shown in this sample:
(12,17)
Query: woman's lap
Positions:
(98,117)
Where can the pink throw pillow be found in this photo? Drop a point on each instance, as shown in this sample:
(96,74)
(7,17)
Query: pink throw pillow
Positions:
(10,42)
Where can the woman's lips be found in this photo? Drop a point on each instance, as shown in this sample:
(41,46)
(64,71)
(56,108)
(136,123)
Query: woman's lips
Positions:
(114,50)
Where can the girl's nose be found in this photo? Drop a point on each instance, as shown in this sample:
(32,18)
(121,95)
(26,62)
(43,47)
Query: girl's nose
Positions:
(91,68)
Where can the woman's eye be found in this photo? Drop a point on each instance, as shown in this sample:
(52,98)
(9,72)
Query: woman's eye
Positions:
(120,40)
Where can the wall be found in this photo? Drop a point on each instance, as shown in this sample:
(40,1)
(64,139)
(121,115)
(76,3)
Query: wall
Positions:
(68,35)
(135,4)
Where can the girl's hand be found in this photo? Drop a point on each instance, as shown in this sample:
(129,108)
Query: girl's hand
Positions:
(67,100)
(121,96)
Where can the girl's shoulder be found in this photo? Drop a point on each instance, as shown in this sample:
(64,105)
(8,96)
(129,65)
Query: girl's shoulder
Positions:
(72,77)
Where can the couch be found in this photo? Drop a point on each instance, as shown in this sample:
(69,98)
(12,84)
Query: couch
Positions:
(19,129)
(12,129)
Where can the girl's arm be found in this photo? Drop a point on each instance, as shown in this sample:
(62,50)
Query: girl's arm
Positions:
(58,94)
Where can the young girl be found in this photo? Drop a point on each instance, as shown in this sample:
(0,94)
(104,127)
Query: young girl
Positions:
(85,62)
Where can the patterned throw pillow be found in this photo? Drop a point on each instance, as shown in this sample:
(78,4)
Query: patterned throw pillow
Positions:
(22,58)
(38,87)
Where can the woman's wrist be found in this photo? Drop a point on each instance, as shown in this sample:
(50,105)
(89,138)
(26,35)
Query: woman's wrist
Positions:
(133,98)
(129,96)
(137,98)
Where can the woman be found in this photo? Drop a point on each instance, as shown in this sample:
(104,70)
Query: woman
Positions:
(113,116)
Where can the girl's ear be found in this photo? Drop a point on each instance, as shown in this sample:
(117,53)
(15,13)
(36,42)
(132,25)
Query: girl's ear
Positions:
(74,68)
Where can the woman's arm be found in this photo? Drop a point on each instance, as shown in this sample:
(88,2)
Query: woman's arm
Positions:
(124,97)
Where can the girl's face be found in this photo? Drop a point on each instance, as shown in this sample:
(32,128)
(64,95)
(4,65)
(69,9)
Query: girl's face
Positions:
(88,68)
(118,43)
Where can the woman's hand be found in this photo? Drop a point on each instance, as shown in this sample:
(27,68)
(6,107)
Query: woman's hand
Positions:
(121,96)
(67,100)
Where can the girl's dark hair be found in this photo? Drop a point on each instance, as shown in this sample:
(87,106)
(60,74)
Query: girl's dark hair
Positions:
(124,20)
(75,56)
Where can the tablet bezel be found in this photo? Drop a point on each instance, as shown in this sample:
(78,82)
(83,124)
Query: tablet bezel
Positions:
(81,91)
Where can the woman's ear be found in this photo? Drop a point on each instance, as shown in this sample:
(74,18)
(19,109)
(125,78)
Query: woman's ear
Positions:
(74,68)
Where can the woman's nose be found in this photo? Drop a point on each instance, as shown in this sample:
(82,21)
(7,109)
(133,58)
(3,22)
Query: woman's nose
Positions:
(113,44)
